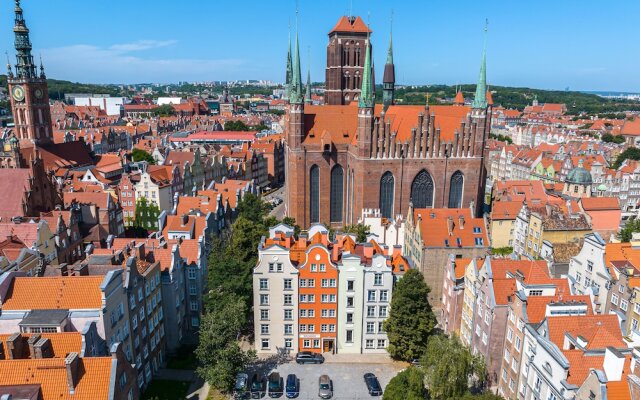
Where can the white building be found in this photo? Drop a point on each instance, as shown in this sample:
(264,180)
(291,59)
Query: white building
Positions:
(588,273)
(111,105)
(169,100)
(350,293)
(378,285)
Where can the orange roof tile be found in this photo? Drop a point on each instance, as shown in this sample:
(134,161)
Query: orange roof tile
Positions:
(344,24)
(600,331)
(51,375)
(62,343)
(77,292)
(537,305)
(435,230)
(505,210)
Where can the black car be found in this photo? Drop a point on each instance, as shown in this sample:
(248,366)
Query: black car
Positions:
(258,386)
(292,388)
(373,386)
(308,357)
(275,385)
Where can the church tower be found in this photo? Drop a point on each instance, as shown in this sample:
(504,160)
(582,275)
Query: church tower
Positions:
(389,77)
(28,90)
(345,60)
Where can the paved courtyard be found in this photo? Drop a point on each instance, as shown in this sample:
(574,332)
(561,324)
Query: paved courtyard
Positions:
(348,381)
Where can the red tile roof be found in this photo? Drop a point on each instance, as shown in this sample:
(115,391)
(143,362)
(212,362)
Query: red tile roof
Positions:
(78,292)
(346,25)
(434,227)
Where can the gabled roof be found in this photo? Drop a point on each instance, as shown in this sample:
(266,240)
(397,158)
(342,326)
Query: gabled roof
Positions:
(350,24)
(77,292)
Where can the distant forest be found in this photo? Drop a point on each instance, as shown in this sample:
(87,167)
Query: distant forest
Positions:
(508,97)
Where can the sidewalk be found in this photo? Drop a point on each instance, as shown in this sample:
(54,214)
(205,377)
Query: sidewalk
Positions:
(358,359)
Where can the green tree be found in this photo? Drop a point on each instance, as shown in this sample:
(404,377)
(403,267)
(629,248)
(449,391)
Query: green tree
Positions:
(502,251)
(411,319)
(292,222)
(218,350)
(360,230)
(450,368)
(482,396)
(609,138)
(632,226)
(235,126)
(165,110)
(147,213)
(407,385)
(252,207)
(141,155)
(631,153)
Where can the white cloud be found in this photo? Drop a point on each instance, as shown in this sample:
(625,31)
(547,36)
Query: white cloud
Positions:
(121,63)
(142,45)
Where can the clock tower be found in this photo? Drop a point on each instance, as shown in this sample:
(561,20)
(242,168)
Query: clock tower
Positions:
(28,90)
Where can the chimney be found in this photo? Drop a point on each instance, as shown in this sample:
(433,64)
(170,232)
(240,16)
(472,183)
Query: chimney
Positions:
(15,347)
(185,219)
(613,364)
(450,225)
(397,250)
(368,250)
(140,254)
(72,362)
(31,342)
(43,349)
(461,221)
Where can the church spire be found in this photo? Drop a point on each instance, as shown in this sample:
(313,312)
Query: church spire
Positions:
(296,96)
(288,78)
(25,67)
(480,99)
(42,74)
(367,96)
(9,67)
(307,97)
(389,77)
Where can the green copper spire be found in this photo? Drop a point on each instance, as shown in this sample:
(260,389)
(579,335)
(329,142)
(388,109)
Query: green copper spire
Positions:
(287,83)
(367,95)
(307,97)
(390,51)
(25,68)
(295,95)
(480,100)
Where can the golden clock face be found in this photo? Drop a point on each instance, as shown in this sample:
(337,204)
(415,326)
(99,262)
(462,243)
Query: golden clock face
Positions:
(38,93)
(18,93)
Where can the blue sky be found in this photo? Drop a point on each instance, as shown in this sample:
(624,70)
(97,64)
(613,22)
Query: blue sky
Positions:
(583,45)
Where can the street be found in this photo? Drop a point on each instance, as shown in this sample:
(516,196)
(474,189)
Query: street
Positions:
(347,377)
(277,211)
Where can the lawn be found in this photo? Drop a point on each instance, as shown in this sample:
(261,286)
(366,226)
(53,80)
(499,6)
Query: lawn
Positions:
(166,390)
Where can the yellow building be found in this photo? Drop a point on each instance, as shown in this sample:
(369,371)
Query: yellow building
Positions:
(472,284)
(503,220)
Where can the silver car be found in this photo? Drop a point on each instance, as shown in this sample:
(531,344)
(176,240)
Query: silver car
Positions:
(325,390)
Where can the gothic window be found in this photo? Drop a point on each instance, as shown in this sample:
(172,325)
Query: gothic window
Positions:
(345,55)
(337,175)
(314,199)
(422,190)
(386,195)
(357,63)
(455,190)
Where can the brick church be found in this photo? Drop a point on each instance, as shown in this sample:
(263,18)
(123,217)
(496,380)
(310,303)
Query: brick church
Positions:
(353,154)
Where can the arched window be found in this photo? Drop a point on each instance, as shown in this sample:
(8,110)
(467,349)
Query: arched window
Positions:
(314,191)
(337,178)
(386,195)
(455,190)
(422,190)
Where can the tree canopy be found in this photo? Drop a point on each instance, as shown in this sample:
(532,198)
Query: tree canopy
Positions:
(450,368)
(165,110)
(147,213)
(632,226)
(235,126)
(407,385)
(609,138)
(631,153)
(411,319)
(360,230)
(141,155)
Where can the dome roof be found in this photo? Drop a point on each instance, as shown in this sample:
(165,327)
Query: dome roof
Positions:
(579,175)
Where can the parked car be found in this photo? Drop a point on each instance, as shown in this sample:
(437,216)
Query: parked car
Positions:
(241,388)
(309,357)
(293,386)
(258,386)
(373,385)
(325,387)
(275,385)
